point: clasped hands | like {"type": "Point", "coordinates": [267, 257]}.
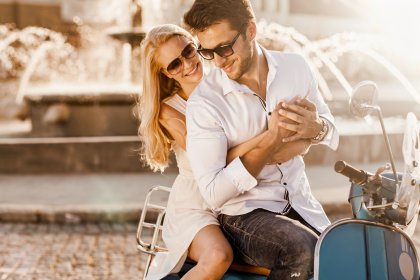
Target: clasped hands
{"type": "Point", "coordinates": [294, 120]}
{"type": "Point", "coordinates": [292, 125]}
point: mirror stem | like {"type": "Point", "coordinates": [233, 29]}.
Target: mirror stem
{"type": "Point", "coordinates": [388, 146]}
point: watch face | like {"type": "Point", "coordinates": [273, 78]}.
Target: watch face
{"type": "Point", "coordinates": [322, 133]}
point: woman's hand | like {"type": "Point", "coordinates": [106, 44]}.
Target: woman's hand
{"type": "Point", "coordinates": [275, 122]}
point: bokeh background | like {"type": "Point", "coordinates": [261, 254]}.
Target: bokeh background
{"type": "Point", "coordinates": [71, 182]}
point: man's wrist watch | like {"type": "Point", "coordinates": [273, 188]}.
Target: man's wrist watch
{"type": "Point", "coordinates": [322, 133]}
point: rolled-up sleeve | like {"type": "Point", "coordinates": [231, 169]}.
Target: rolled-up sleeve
{"type": "Point", "coordinates": [207, 148]}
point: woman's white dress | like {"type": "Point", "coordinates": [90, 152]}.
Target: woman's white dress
{"type": "Point", "coordinates": [186, 212]}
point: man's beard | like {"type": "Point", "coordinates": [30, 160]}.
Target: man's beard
{"type": "Point", "coordinates": [243, 67]}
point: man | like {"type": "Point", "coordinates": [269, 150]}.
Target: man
{"type": "Point", "coordinates": [266, 210]}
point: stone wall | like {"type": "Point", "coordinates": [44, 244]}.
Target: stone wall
{"type": "Point", "coordinates": [8, 11]}
{"type": "Point", "coordinates": [28, 13]}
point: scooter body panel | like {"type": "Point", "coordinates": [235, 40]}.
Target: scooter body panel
{"type": "Point", "coordinates": [357, 249]}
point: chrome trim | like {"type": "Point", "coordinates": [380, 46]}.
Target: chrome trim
{"type": "Point", "coordinates": [151, 248]}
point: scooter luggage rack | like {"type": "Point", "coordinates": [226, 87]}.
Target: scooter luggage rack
{"type": "Point", "coordinates": [152, 247]}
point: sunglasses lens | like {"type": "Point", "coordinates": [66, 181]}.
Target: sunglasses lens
{"type": "Point", "coordinates": [206, 54]}
{"type": "Point", "coordinates": [174, 66]}
{"type": "Point", "coordinates": [224, 51]}
{"type": "Point", "coordinates": [189, 51]}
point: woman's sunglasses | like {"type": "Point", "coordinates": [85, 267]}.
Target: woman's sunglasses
{"type": "Point", "coordinates": [222, 51]}
{"type": "Point", "coordinates": [188, 52]}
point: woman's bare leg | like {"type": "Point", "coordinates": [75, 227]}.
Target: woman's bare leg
{"type": "Point", "coordinates": [212, 252]}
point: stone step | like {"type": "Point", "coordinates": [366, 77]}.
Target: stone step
{"type": "Point", "coordinates": [70, 154]}
{"type": "Point", "coordinates": [120, 153]}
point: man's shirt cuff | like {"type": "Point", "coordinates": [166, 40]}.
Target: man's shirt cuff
{"type": "Point", "coordinates": [239, 176]}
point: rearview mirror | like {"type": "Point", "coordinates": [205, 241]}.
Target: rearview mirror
{"type": "Point", "coordinates": [364, 102]}
{"type": "Point", "coordinates": [364, 99]}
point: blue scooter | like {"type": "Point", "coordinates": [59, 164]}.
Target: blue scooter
{"type": "Point", "coordinates": [375, 244]}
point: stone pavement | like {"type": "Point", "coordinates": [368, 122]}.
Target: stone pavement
{"type": "Point", "coordinates": [40, 251]}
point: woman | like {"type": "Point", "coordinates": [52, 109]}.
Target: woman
{"type": "Point", "coordinates": [171, 70]}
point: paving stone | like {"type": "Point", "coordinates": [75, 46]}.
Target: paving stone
{"type": "Point", "coordinates": [65, 251]}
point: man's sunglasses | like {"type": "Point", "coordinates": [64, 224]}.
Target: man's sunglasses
{"type": "Point", "coordinates": [176, 65]}
{"type": "Point", "coordinates": [222, 51]}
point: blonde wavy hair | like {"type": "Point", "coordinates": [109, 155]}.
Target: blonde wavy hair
{"type": "Point", "coordinates": [157, 86]}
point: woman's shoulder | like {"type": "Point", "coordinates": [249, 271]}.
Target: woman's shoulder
{"type": "Point", "coordinates": [168, 112]}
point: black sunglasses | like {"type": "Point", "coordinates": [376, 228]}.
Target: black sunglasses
{"type": "Point", "coordinates": [188, 52]}
{"type": "Point", "coordinates": [222, 51]}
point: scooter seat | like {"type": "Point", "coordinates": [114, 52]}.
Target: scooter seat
{"type": "Point", "coordinates": [243, 267]}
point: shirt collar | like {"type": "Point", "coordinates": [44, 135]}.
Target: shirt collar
{"type": "Point", "coordinates": [272, 63]}
{"type": "Point", "coordinates": [229, 85]}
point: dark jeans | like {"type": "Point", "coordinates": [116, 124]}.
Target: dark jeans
{"type": "Point", "coordinates": [284, 244]}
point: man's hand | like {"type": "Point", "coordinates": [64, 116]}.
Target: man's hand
{"type": "Point", "coordinates": [274, 125]}
{"type": "Point", "coordinates": [307, 123]}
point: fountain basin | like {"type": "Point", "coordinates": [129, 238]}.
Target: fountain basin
{"type": "Point", "coordinates": [82, 110]}
{"type": "Point", "coordinates": [133, 36]}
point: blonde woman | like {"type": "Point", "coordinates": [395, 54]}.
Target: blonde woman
{"type": "Point", "coordinates": [171, 69]}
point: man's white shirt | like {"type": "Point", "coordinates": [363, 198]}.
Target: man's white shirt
{"type": "Point", "coordinates": [222, 113]}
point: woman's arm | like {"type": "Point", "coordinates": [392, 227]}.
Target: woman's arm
{"type": "Point", "coordinates": [243, 148]}
{"type": "Point", "coordinates": [290, 150]}
{"type": "Point", "coordinates": [174, 123]}
{"type": "Point", "coordinates": [283, 154]}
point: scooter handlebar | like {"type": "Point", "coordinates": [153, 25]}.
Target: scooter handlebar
{"type": "Point", "coordinates": [355, 175]}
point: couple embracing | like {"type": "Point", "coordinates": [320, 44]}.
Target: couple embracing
{"type": "Point", "coordinates": [238, 132]}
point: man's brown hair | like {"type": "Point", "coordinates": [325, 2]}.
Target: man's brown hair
{"type": "Point", "coordinates": [205, 13]}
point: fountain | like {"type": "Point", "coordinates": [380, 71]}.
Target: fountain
{"type": "Point", "coordinates": [325, 54]}
{"type": "Point", "coordinates": [335, 79]}
{"type": "Point", "coordinates": [335, 84]}
{"type": "Point", "coordinates": [77, 120]}
{"type": "Point", "coordinates": [90, 98]}
{"type": "Point", "coordinates": [77, 100]}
